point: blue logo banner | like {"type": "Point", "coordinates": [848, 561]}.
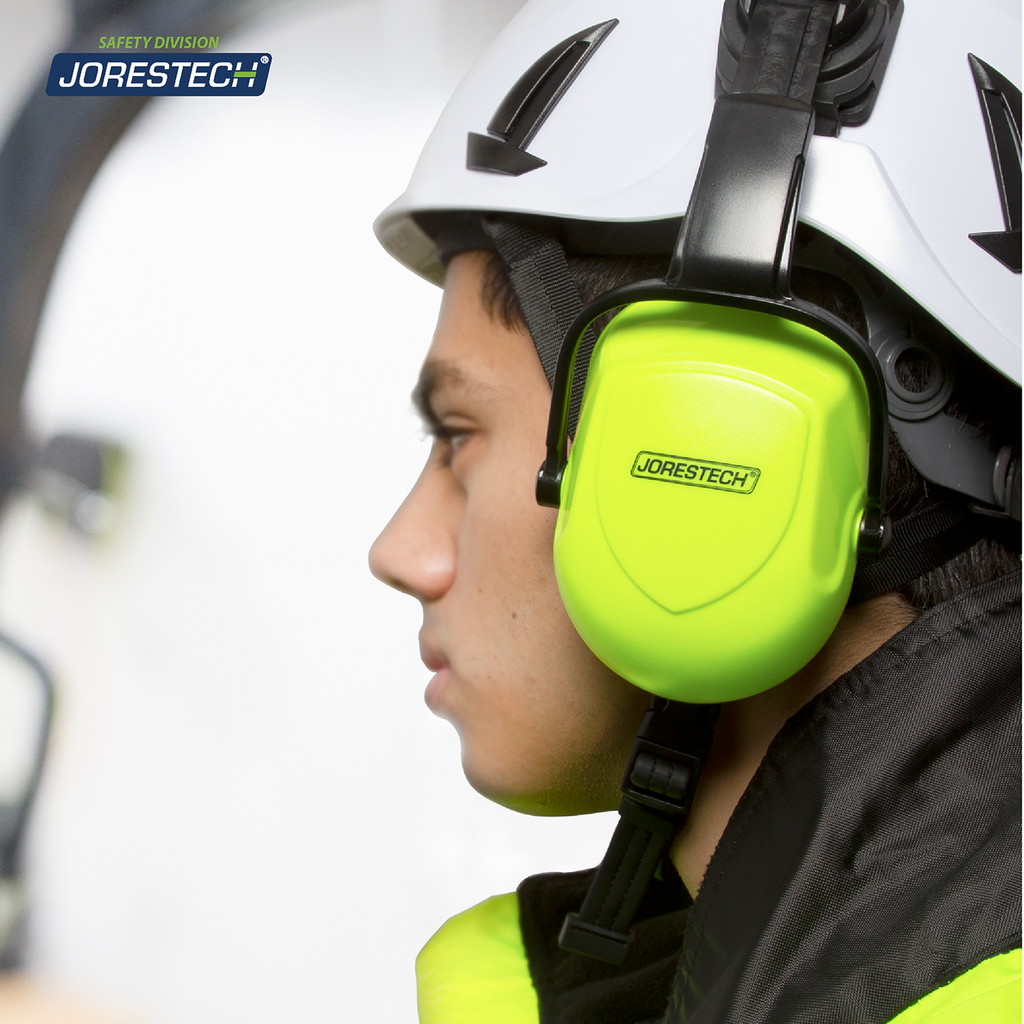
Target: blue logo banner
{"type": "Point", "coordinates": [147, 74]}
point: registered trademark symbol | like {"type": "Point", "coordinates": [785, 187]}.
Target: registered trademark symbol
{"type": "Point", "coordinates": [264, 59]}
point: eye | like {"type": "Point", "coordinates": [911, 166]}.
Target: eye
{"type": "Point", "coordinates": [448, 439]}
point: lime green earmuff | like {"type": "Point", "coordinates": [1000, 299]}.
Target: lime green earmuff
{"type": "Point", "coordinates": [712, 502]}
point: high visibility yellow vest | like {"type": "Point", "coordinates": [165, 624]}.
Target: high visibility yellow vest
{"type": "Point", "coordinates": [474, 971]}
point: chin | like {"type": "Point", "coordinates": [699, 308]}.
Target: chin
{"type": "Point", "coordinates": [566, 793]}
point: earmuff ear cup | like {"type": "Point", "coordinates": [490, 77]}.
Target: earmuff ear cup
{"type": "Point", "coordinates": [707, 532]}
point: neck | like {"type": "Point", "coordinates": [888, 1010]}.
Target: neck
{"type": "Point", "coordinates": [745, 728]}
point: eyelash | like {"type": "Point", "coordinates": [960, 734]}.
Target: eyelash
{"type": "Point", "coordinates": [452, 438]}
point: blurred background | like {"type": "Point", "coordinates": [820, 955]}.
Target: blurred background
{"type": "Point", "coordinates": [225, 829]}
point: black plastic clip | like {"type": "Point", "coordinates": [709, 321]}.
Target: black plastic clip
{"type": "Point", "coordinates": [657, 792]}
{"type": "Point", "coordinates": [591, 940]}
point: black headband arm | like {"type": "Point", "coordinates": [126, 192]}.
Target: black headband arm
{"type": "Point", "coordinates": [875, 530]}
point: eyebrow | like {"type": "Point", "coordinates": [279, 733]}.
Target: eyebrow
{"type": "Point", "coordinates": [437, 376]}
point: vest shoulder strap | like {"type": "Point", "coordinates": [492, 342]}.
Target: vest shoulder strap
{"type": "Point", "coordinates": [474, 968]}
{"type": "Point", "coordinates": [990, 992]}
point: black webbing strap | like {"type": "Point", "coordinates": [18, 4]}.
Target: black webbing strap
{"type": "Point", "coordinates": [920, 542]}
{"type": "Point", "coordinates": [737, 233]}
{"type": "Point", "coordinates": [658, 789]}
{"type": "Point", "coordinates": [601, 928]}
{"type": "Point", "coordinates": [547, 296]}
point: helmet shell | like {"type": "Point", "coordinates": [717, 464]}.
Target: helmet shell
{"type": "Point", "coordinates": [623, 145]}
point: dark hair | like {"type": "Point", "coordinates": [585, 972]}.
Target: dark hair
{"type": "Point", "coordinates": [908, 491]}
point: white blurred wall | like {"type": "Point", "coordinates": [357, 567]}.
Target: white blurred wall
{"type": "Point", "coordinates": [248, 813]}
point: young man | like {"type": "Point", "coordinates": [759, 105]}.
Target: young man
{"type": "Point", "coordinates": [852, 849]}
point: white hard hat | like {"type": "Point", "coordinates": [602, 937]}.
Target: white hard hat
{"type": "Point", "coordinates": [617, 151]}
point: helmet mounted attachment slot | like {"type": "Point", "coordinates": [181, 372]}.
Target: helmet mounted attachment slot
{"type": "Point", "coordinates": [859, 47]}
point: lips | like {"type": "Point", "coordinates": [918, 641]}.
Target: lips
{"type": "Point", "coordinates": [438, 664]}
{"type": "Point", "coordinates": [431, 656]}
{"type": "Point", "coordinates": [432, 695]}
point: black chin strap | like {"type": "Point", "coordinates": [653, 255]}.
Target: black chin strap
{"type": "Point", "coordinates": [657, 791]}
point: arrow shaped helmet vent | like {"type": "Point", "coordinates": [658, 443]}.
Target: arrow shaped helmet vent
{"type": "Point", "coordinates": [529, 102]}
{"type": "Point", "coordinates": [1001, 107]}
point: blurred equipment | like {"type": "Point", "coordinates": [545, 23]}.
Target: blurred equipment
{"type": "Point", "coordinates": [26, 710]}
{"type": "Point", "coordinates": [47, 162]}
{"type": "Point", "coordinates": [74, 476]}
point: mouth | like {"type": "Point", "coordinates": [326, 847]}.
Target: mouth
{"type": "Point", "coordinates": [437, 663]}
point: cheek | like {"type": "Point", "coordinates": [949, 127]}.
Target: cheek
{"type": "Point", "coordinates": [506, 537]}
{"type": "Point", "coordinates": [544, 725]}
{"type": "Point", "coordinates": [505, 551]}
{"type": "Point", "coordinates": [541, 715]}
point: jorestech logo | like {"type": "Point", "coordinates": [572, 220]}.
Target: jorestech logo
{"type": "Point", "coordinates": [678, 469]}
{"type": "Point", "coordinates": [177, 74]}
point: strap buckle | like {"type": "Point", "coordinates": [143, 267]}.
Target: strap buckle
{"type": "Point", "coordinates": [661, 778]}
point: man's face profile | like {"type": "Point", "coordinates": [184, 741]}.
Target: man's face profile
{"type": "Point", "coordinates": [545, 726]}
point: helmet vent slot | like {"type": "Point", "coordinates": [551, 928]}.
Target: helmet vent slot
{"type": "Point", "coordinates": [529, 103]}
{"type": "Point", "coordinates": [1000, 106]}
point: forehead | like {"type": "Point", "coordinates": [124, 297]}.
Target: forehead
{"type": "Point", "coordinates": [470, 348]}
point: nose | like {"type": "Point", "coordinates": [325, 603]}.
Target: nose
{"type": "Point", "coordinates": [415, 553]}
